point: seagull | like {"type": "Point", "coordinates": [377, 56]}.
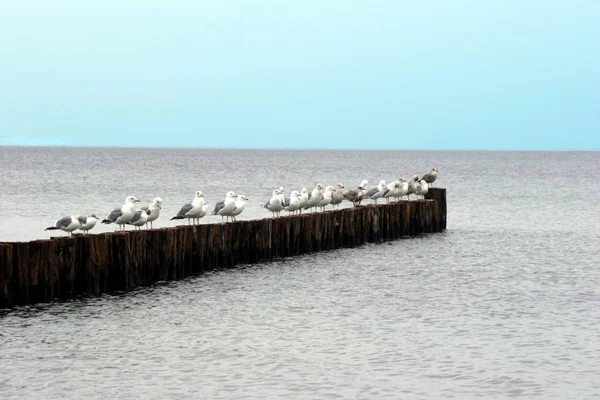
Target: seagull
{"type": "Point", "coordinates": [276, 203]}
{"type": "Point", "coordinates": [67, 224]}
{"type": "Point", "coordinates": [240, 204]}
{"type": "Point", "coordinates": [356, 195]}
{"type": "Point", "coordinates": [411, 185]}
{"type": "Point", "coordinates": [326, 199]}
{"type": "Point", "coordinates": [377, 192]}
{"type": "Point", "coordinates": [314, 197]}
{"type": "Point", "coordinates": [391, 190]}
{"type": "Point", "coordinates": [361, 194]}
{"type": "Point", "coordinates": [122, 215]}
{"type": "Point", "coordinates": [154, 208]}
{"type": "Point", "coordinates": [89, 222]}
{"type": "Point", "coordinates": [294, 204]}
{"type": "Point", "coordinates": [140, 217]}
{"type": "Point", "coordinates": [402, 190]}
{"type": "Point", "coordinates": [431, 176]}
{"type": "Point", "coordinates": [421, 188]}
{"type": "Point", "coordinates": [225, 208]}
{"type": "Point", "coordinates": [303, 199]}
{"type": "Point", "coordinates": [337, 196]}
{"type": "Point", "coordinates": [195, 209]}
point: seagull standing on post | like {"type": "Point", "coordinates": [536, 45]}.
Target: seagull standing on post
{"type": "Point", "coordinates": [431, 176]}
{"type": "Point", "coordinates": [67, 224]}
{"type": "Point", "coordinates": [124, 214]}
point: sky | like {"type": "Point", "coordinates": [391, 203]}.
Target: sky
{"type": "Point", "coordinates": [511, 74]}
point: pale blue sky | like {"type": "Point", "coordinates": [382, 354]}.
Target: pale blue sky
{"type": "Point", "coordinates": [332, 74]}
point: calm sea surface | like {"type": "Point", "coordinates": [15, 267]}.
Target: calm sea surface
{"type": "Point", "coordinates": [505, 303]}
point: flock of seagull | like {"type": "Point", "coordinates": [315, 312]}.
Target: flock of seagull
{"type": "Point", "coordinates": [234, 204]}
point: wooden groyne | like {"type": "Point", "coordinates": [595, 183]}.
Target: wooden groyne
{"type": "Point", "coordinates": [69, 267]}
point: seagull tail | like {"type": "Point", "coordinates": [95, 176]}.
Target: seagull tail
{"type": "Point", "coordinates": [51, 228]}
{"type": "Point", "coordinates": [176, 217]}
{"type": "Point", "coordinates": [106, 221]}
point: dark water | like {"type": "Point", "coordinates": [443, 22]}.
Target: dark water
{"type": "Point", "coordinates": [505, 303]}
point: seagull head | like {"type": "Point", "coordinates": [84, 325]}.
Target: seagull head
{"type": "Point", "coordinates": [319, 186]}
{"type": "Point", "coordinates": [340, 186]}
{"type": "Point", "coordinates": [81, 219]}
{"type": "Point", "coordinates": [158, 201]}
{"type": "Point", "coordinates": [92, 216]}
{"type": "Point", "coordinates": [199, 193]}
{"type": "Point", "coordinates": [304, 191]}
{"type": "Point", "coordinates": [132, 199]}
{"type": "Point", "coordinates": [276, 192]}
{"type": "Point", "coordinates": [230, 194]}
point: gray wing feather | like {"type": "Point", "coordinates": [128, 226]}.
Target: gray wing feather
{"type": "Point", "coordinates": [136, 215]}
{"type": "Point", "coordinates": [184, 210]}
{"type": "Point", "coordinates": [350, 194]}
{"type": "Point", "coordinates": [219, 206]}
{"type": "Point", "coordinates": [427, 177]}
{"type": "Point", "coordinates": [371, 192]}
{"type": "Point", "coordinates": [63, 222]}
{"type": "Point", "coordinates": [116, 213]}
{"type": "Point", "coordinates": [145, 208]}
{"type": "Point", "coordinates": [286, 201]}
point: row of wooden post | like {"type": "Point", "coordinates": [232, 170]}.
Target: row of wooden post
{"type": "Point", "coordinates": [68, 267]}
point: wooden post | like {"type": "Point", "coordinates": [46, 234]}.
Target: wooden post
{"type": "Point", "coordinates": [6, 275]}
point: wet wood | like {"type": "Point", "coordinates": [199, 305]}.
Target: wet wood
{"type": "Point", "coordinates": [68, 267]}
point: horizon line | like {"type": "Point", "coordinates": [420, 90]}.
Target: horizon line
{"type": "Point", "coordinates": [287, 148]}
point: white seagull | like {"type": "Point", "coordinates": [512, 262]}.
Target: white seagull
{"type": "Point", "coordinates": [326, 199]}
{"type": "Point", "coordinates": [314, 197]}
{"type": "Point", "coordinates": [402, 190]}
{"type": "Point", "coordinates": [391, 190]}
{"type": "Point", "coordinates": [421, 188]}
{"type": "Point", "coordinates": [294, 204]}
{"type": "Point", "coordinates": [140, 218]}
{"type": "Point", "coordinates": [303, 199]}
{"type": "Point", "coordinates": [240, 205]}
{"type": "Point", "coordinates": [67, 224]}
{"type": "Point", "coordinates": [225, 208]}
{"type": "Point", "coordinates": [122, 215]}
{"type": "Point", "coordinates": [377, 192]}
{"type": "Point", "coordinates": [89, 222]}
{"type": "Point", "coordinates": [194, 210]}
{"type": "Point", "coordinates": [412, 185]}
{"type": "Point", "coordinates": [154, 208]}
{"type": "Point", "coordinates": [275, 203]}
